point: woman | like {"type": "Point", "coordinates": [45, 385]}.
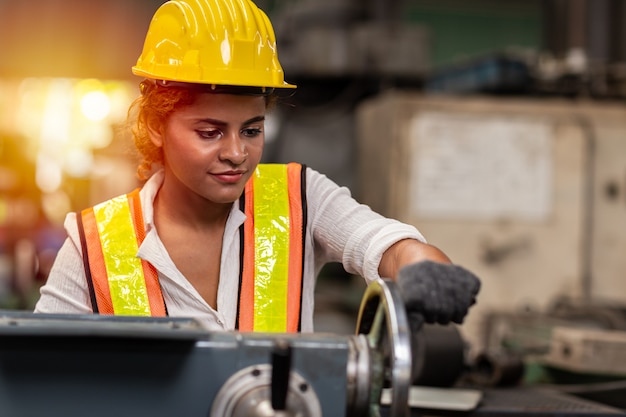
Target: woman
{"type": "Point", "coordinates": [212, 234]}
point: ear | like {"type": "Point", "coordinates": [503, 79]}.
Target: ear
{"type": "Point", "coordinates": [155, 130]}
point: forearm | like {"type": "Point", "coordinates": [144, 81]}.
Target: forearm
{"type": "Point", "coordinates": [406, 252]}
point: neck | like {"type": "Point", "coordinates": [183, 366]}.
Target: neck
{"type": "Point", "coordinates": [179, 205]}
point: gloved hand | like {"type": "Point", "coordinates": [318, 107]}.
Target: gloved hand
{"type": "Point", "coordinates": [436, 292]}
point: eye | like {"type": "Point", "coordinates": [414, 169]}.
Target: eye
{"type": "Point", "coordinates": [209, 133]}
{"type": "Point", "coordinates": [251, 132]}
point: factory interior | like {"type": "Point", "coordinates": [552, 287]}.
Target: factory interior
{"type": "Point", "coordinates": [496, 127]}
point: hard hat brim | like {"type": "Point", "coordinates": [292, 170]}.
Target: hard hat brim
{"type": "Point", "coordinates": [227, 89]}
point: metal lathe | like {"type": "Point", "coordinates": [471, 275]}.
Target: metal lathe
{"type": "Point", "coordinates": [75, 365]}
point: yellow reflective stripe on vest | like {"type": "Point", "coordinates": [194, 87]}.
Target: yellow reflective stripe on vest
{"type": "Point", "coordinates": [119, 249]}
{"type": "Point", "coordinates": [270, 292]}
{"type": "Point", "coordinates": [271, 248]}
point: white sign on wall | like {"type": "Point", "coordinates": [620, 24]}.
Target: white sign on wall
{"type": "Point", "coordinates": [467, 166]}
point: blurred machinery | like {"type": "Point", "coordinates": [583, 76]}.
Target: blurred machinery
{"type": "Point", "coordinates": [348, 38]}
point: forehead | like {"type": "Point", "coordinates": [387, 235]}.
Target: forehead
{"type": "Point", "coordinates": [210, 104]}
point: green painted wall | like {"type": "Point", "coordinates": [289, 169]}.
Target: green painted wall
{"type": "Point", "coordinates": [466, 28]}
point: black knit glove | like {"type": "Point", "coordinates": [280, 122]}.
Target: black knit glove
{"type": "Point", "coordinates": [436, 292]}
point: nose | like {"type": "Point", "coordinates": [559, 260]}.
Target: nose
{"type": "Point", "coordinates": [233, 149]}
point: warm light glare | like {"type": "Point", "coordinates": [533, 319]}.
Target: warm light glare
{"type": "Point", "coordinates": [78, 162]}
{"type": "Point", "coordinates": [95, 105]}
{"type": "Point", "coordinates": [61, 122]}
{"type": "Point", "coordinates": [57, 114]}
{"type": "Point", "coordinates": [96, 135]}
{"type": "Point", "coordinates": [56, 205]}
{"type": "Point", "coordinates": [48, 175]}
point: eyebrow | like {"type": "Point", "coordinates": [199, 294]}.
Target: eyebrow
{"type": "Point", "coordinates": [222, 123]}
{"type": "Point", "coordinates": [254, 120]}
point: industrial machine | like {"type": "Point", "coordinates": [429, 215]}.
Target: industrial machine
{"type": "Point", "coordinates": [75, 365]}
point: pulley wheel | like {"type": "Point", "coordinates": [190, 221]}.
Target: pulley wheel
{"type": "Point", "coordinates": [383, 319]}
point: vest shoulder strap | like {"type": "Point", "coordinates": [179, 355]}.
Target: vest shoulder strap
{"type": "Point", "coordinates": [119, 282]}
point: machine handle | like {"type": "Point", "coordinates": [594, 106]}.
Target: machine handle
{"type": "Point", "coordinates": [281, 369]}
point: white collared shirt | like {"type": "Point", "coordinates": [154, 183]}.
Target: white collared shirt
{"type": "Point", "coordinates": [339, 229]}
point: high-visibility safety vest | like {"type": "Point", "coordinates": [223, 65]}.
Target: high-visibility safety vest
{"type": "Point", "coordinates": [271, 255]}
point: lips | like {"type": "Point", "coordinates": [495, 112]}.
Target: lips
{"type": "Point", "coordinates": [229, 177]}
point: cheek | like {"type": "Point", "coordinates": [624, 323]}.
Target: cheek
{"type": "Point", "coordinates": [178, 143]}
{"type": "Point", "coordinates": [255, 148]}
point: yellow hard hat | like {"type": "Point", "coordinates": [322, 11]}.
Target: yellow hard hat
{"type": "Point", "coordinates": [215, 42]}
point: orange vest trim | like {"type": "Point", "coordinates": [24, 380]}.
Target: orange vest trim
{"type": "Point", "coordinates": [153, 287]}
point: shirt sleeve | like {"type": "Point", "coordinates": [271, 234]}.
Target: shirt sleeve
{"type": "Point", "coordinates": [65, 290]}
{"type": "Point", "coordinates": [349, 232]}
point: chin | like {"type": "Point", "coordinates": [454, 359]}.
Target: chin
{"type": "Point", "coordinates": [225, 198]}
